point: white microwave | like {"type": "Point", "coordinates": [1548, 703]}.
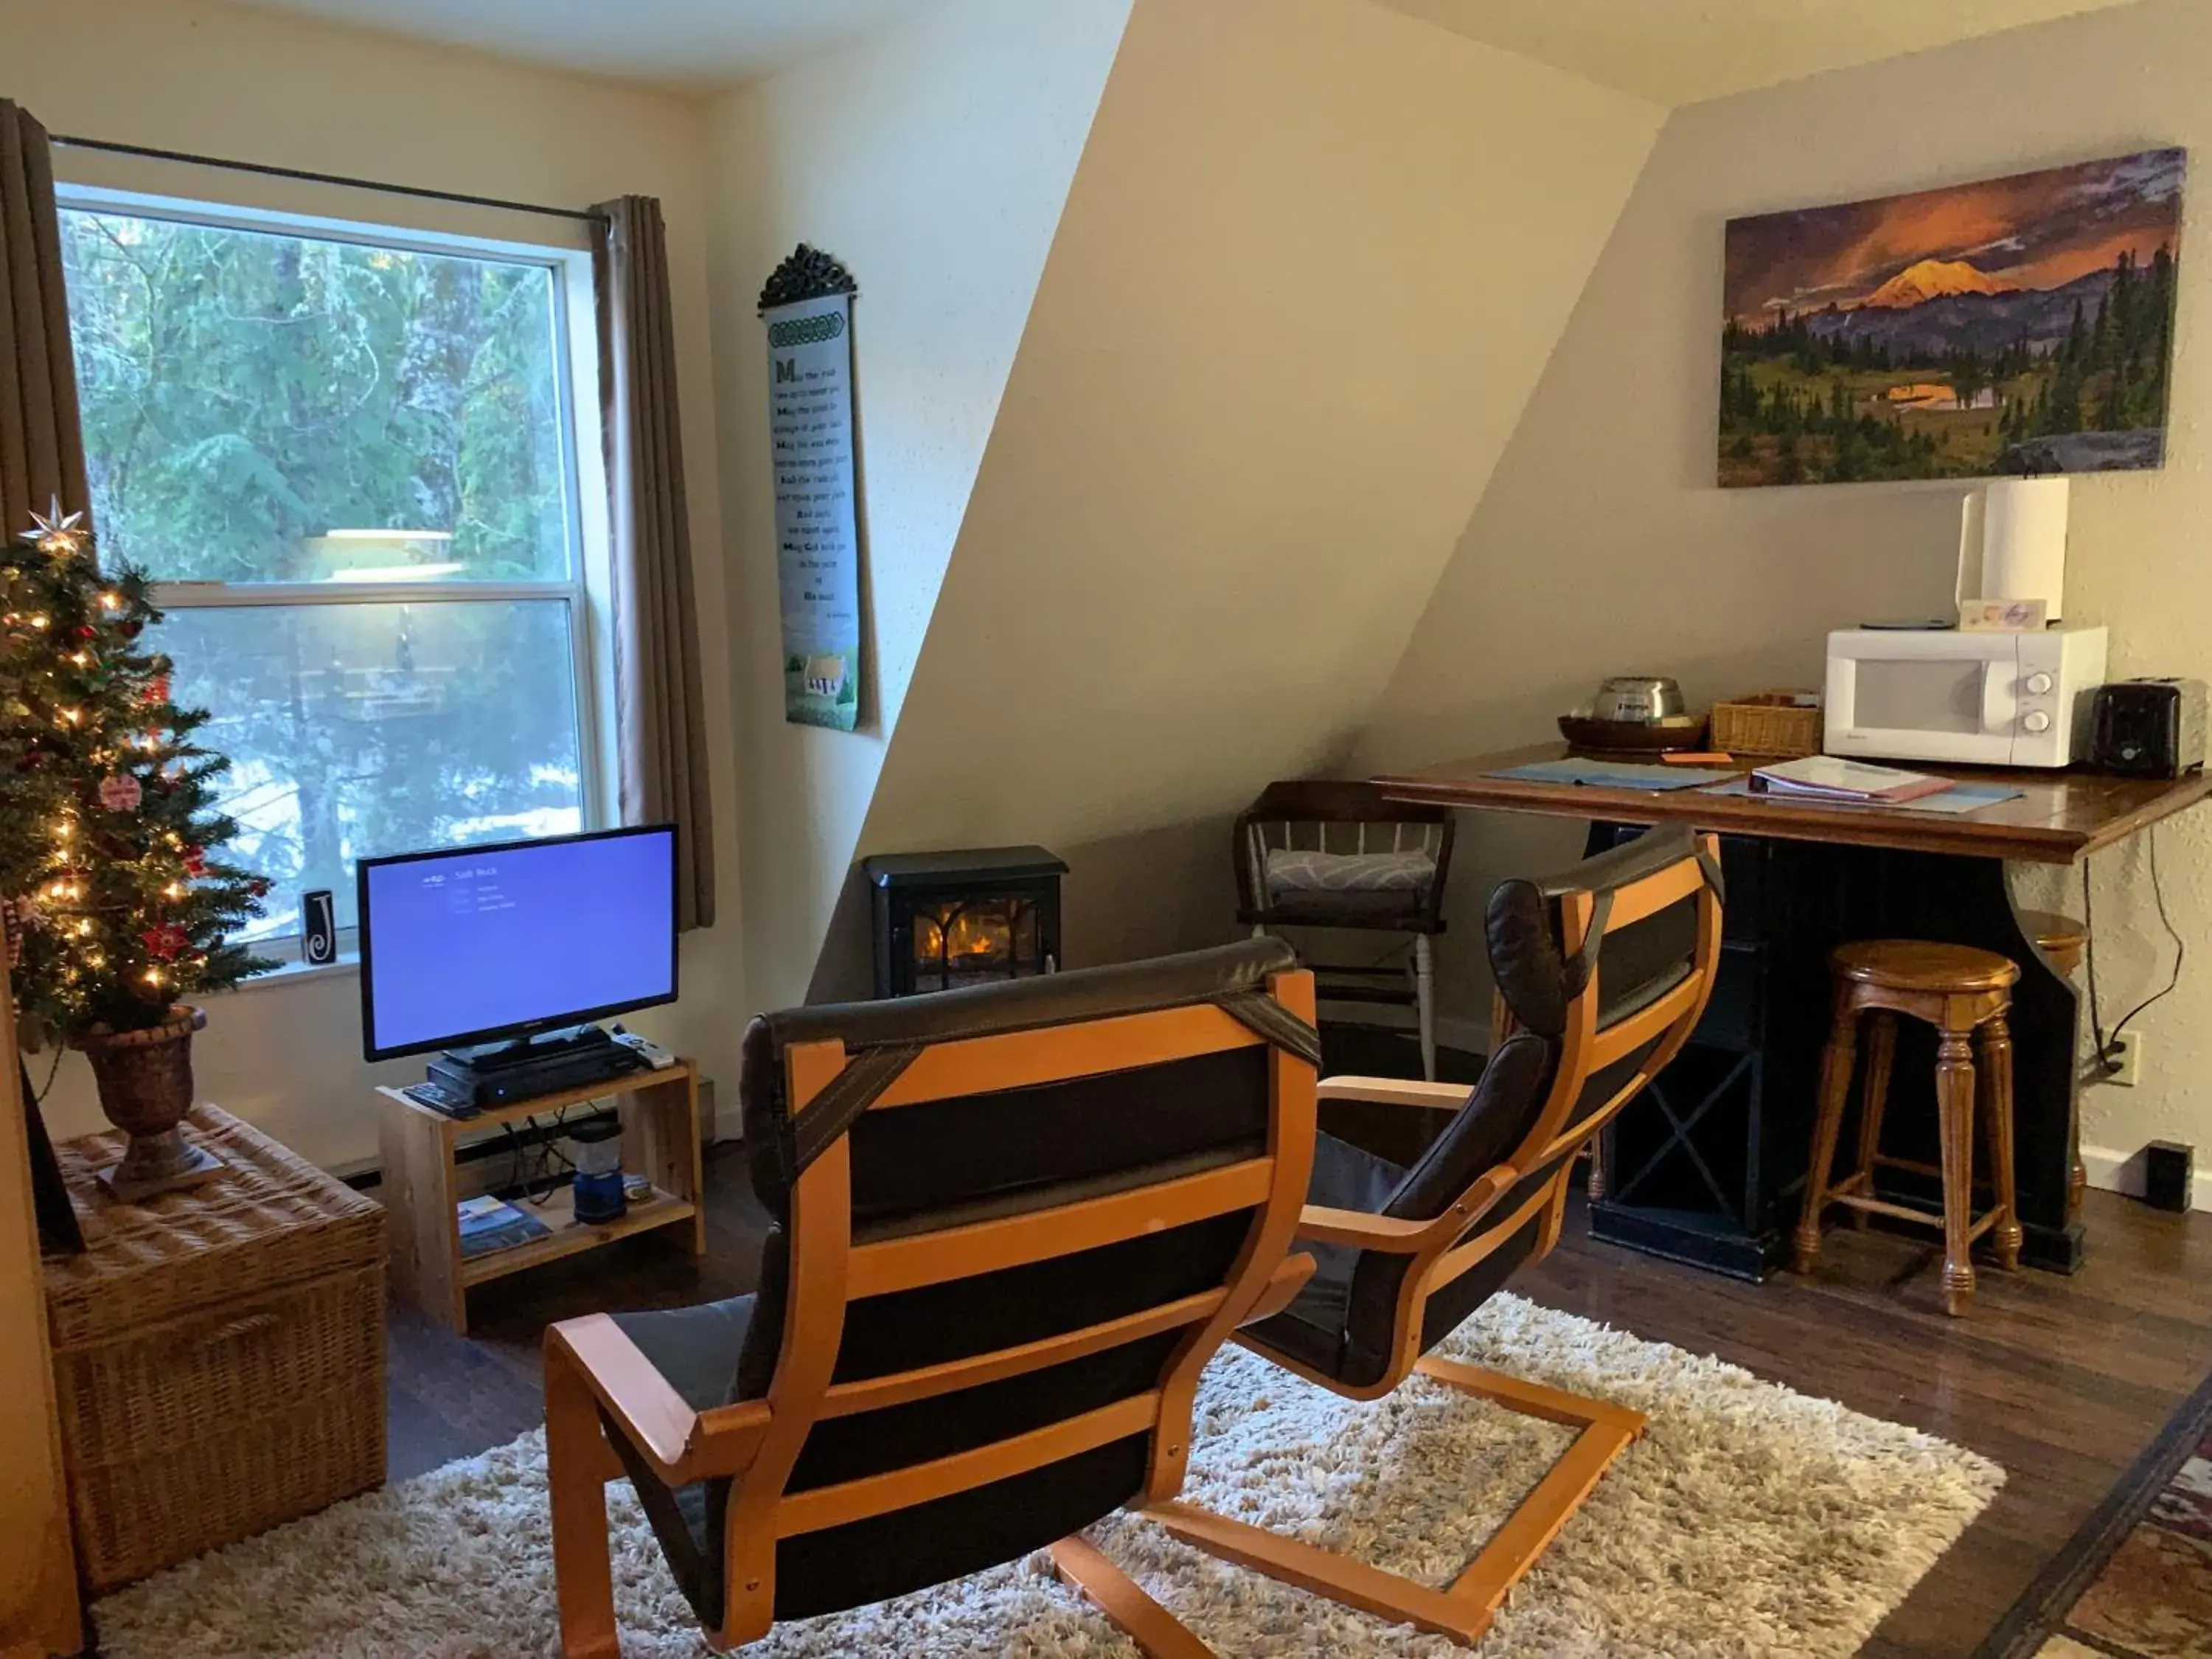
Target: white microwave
{"type": "Point", "coordinates": [1977, 699]}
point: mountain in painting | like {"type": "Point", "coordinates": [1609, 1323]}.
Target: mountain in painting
{"type": "Point", "coordinates": [1978, 320]}
{"type": "Point", "coordinates": [1932, 279]}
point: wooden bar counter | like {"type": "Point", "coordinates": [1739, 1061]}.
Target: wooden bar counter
{"type": "Point", "coordinates": [1706, 1166]}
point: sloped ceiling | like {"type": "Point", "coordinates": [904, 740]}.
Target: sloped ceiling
{"type": "Point", "coordinates": [1669, 51]}
{"type": "Point", "coordinates": [1311, 268]}
{"type": "Point", "coordinates": [1682, 51]}
{"type": "Point", "coordinates": [933, 159]}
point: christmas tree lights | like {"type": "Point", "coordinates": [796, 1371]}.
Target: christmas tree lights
{"type": "Point", "coordinates": [114, 903]}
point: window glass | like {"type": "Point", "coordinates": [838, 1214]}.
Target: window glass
{"type": "Point", "coordinates": [263, 407]}
{"type": "Point", "coordinates": [355, 731]}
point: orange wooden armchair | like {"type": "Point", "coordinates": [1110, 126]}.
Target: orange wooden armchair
{"type": "Point", "coordinates": [1013, 1226]}
{"type": "Point", "coordinates": [1602, 973]}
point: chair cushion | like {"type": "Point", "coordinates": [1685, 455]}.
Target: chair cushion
{"type": "Point", "coordinates": [1306, 870]}
{"type": "Point", "coordinates": [1521, 925]}
{"type": "Point", "coordinates": [1500, 1114]}
{"type": "Point", "coordinates": [1343, 1323]}
{"type": "Point", "coordinates": [979, 1011]}
{"type": "Point", "coordinates": [697, 1350]}
{"type": "Point", "coordinates": [1311, 1329]}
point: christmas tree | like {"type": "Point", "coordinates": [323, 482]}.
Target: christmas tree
{"type": "Point", "coordinates": [116, 906]}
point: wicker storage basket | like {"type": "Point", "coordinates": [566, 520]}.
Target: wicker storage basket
{"type": "Point", "coordinates": [1777, 724]}
{"type": "Point", "coordinates": [218, 1353]}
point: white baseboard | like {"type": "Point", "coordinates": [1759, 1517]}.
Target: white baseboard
{"type": "Point", "coordinates": [2122, 1172]}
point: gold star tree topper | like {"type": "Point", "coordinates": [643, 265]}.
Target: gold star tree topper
{"type": "Point", "coordinates": [62, 536]}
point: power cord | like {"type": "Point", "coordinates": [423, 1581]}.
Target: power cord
{"type": "Point", "coordinates": [545, 1143]}
{"type": "Point", "coordinates": [2106, 1059]}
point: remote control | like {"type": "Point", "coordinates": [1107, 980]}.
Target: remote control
{"type": "Point", "coordinates": [438, 1098]}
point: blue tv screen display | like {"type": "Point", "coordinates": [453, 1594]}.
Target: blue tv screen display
{"type": "Point", "coordinates": [489, 941]}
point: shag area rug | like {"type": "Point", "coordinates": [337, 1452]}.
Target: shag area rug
{"type": "Point", "coordinates": [1748, 1521]}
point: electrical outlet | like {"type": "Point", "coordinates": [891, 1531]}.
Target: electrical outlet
{"type": "Point", "coordinates": [2127, 1058]}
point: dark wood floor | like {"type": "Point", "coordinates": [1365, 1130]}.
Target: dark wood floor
{"type": "Point", "coordinates": [2061, 1380]}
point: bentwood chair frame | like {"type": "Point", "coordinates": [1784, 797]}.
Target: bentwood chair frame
{"type": "Point", "coordinates": [598, 1383]}
{"type": "Point", "coordinates": [1491, 1210]}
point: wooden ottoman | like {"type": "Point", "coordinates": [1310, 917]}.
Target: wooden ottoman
{"type": "Point", "coordinates": [218, 1353]}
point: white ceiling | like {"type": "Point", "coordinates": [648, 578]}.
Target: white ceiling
{"type": "Point", "coordinates": [1682, 51]}
{"type": "Point", "coordinates": [1672, 52]}
{"type": "Point", "coordinates": [694, 44]}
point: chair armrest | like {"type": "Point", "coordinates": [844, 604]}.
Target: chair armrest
{"type": "Point", "coordinates": [1395, 1091]}
{"type": "Point", "coordinates": [1282, 1287]}
{"type": "Point", "coordinates": [651, 1415]}
{"type": "Point", "coordinates": [1319, 1224]}
{"type": "Point", "coordinates": [681, 1445]}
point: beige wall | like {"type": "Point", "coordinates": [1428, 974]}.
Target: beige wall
{"type": "Point", "coordinates": [256, 87]}
{"type": "Point", "coordinates": [933, 159]}
{"type": "Point", "coordinates": [1309, 269]}
{"type": "Point", "coordinates": [1602, 545]}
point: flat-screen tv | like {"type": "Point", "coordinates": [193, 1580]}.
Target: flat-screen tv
{"type": "Point", "coordinates": [473, 945]}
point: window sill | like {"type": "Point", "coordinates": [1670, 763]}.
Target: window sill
{"type": "Point", "coordinates": [294, 973]}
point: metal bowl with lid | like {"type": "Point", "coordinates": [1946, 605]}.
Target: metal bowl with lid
{"type": "Point", "coordinates": [1638, 699]}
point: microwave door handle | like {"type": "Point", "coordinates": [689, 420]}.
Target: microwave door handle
{"type": "Point", "coordinates": [2000, 697]}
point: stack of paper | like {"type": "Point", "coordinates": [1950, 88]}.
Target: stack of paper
{"type": "Point", "coordinates": [1823, 777]}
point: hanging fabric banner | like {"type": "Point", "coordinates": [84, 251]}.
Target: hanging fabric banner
{"type": "Point", "coordinates": [811, 431]}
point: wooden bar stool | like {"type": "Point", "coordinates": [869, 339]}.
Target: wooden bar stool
{"type": "Point", "coordinates": [1966, 995]}
{"type": "Point", "coordinates": [2058, 937]}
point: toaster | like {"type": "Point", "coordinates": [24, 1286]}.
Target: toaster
{"type": "Point", "coordinates": [2150, 728]}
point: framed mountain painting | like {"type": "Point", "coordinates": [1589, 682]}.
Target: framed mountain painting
{"type": "Point", "coordinates": [2017, 326]}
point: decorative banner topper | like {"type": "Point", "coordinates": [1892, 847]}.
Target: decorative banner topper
{"type": "Point", "coordinates": [807, 306]}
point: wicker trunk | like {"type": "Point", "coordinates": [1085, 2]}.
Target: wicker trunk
{"type": "Point", "coordinates": [219, 1353]}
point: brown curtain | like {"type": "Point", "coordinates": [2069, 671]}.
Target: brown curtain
{"type": "Point", "coordinates": [659, 706]}
{"type": "Point", "coordinates": [42, 446]}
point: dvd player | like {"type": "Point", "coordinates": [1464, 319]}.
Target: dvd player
{"type": "Point", "coordinates": [503, 1074]}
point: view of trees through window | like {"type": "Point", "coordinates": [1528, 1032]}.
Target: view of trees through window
{"type": "Point", "coordinates": [369, 422]}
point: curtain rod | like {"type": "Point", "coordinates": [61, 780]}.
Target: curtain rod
{"type": "Point", "coordinates": [305, 177]}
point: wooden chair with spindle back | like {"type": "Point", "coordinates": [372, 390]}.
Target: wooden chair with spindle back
{"type": "Point", "coordinates": [1012, 1224]}
{"type": "Point", "coordinates": [1603, 971]}
{"type": "Point", "coordinates": [1319, 853]}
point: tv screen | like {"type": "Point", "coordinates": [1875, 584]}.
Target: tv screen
{"type": "Point", "coordinates": [475, 943]}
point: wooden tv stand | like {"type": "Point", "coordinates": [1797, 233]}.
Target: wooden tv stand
{"type": "Point", "coordinates": [659, 1114]}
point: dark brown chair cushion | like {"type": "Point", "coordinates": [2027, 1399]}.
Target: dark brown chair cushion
{"type": "Point", "coordinates": [921, 1168]}
{"type": "Point", "coordinates": [1341, 1323]}
{"type": "Point", "coordinates": [1522, 928]}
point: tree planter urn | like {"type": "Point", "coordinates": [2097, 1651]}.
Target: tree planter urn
{"type": "Point", "coordinates": [145, 1082]}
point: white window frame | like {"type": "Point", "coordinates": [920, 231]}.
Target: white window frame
{"type": "Point", "coordinates": [586, 590]}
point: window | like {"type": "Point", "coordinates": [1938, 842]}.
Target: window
{"type": "Point", "coordinates": [350, 465]}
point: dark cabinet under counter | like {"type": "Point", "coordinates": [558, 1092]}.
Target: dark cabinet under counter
{"type": "Point", "coordinates": [1706, 1165]}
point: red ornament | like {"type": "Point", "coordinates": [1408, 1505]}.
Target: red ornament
{"type": "Point", "coordinates": [196, 862]}
{"type": "Point", "coordinates": [157, 692]}
{"type": "Point", "coordinates": [259, 887]}
{"type": "Point", "coordinates": [85, 631]}
{"type": "Point", "coordinates": [120, 793]}
{"type": "Point", "coordinates": [166, 942]}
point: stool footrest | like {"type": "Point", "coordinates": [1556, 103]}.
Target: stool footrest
{"type": "Point", "coordinates": [1910, 1165]}
{"type": "Point", "coordinates": [1872, 1205]}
